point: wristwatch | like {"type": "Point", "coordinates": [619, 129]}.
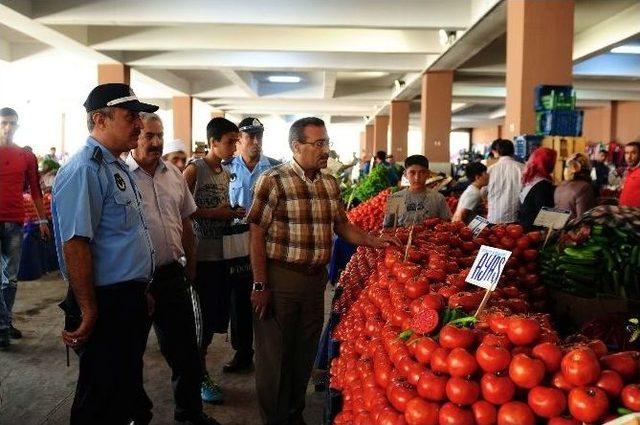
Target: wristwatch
{"type": "Point", "coordinates": [258, 286]}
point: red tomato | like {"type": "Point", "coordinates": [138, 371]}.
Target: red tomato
{"type": "Point", "coordinates": [523, 331]}
{"type": "Point", "coordinates": [450, 414]}
{"type": "Point", "coordinates": [497, 389]}
{"type": "Point", "coordinates": [498, 340]}
{"type": "Point", "coordinates": [515, 413]}
{"type": "Point", "coordinates": [434, 301]}
{"type": "Point", "coordinates": [406, 272]}
{"type": "Point", "coordinates": [493, 358]}
{"type": "Point", "coordinates": [547, 402]}
{"type": "Point", "coordinates": [484, 413]}
{"type": "Point", "coordinates": [559, 381]}
{"type": "Point", "coordinates": [580, 366]}
{"type": "Point", "coordinates": [399, 394]}
{"type": "Point", "coordinates": [423, 349]}
{"type": "Point", "coordinates": [550, 354]}
{"type": "Point", "coordinates": [453, 337]}
{"type": "Point", "coordinates": [514, 231]}
{"type": "Point", "coordinates": [432, 386]}
{"type": "Point", "coordinates": [563, 420]}
{"type": "Point", "coordinates": [420, 412]}
{"type": "Point", "coordinates": [535, 236]}
{"type": "Point", "coordinates": [611, 382]}
{"type": "Point", "coordinates": [507, 242]}
{"type": "Point", "coordinates": [415, 288]}
{"type": "Point", "coordinates": [625, 363]}
{"type": "Point", "coordinates": [588, 404]}
{"type": "Point", "coordinates": [439, 360]}
{"type": "Point", "coordinates": [630, 397]}
{"type": "Point", "coordinates": [460, 363]}
{"type": "Point", "coordinates": [526, 372]}
{"type": "Point", "coordinates": [530, 254]}
{"type": "Point", "coordinates": [523, 242]}
{"type": "Point", "coordinates": [599, 348]}
{"type": "Point", "coordinates": [462, 391]}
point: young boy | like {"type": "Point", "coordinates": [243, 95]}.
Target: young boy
{"type": "Point", "coordinates": [470, 203]}
{"type": "Point", "coordinates": [418, 202]}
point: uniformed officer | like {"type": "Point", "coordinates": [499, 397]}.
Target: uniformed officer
{"type": "Point", "coordinates": [106, 256]}
{"type": "Point", "coordinates": [168, 206]}
{"type": "Point", "coordinates": [245, 168]}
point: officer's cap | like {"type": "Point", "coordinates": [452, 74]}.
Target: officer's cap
{"type": "Point", "coordinates": [116, 95]}
{"type": "Point", "coordinates": [251, 125]}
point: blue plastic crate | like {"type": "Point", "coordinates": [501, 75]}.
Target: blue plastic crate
{"type": "Point", "coordinates": [559, 123]}
{"type": "Point", "coordinates": [526, 144]}
{"type": "Point", "coordinates": [554, 98]}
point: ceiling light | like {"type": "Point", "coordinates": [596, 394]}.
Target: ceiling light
{"type": "Point", "coordinates": [627, 48]}
{"type": "Point", "coordinates": [288, 79]}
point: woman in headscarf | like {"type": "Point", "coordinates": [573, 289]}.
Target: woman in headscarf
{"type": "Point", "coordinates": [537, 185]}
{"type": "Point", "coordinates": [576, 193]}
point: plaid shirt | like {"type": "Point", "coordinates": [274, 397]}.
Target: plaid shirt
{"type": "Point", "coordinates": [297, 214]}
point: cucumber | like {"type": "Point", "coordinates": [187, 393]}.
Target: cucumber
{"type": "Point", "coordinates": [583, 270]}
{"type": "Point", "coordinates": [576, 260]}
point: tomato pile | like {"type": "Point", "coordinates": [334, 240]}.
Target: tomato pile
{"type": "Point", "coordinates": [369, 215]}
{"type": "Point", "coordinates": [410, 354]}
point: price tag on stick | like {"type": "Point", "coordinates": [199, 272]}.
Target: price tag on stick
{"type": "Point", "coordinates": [486, 271]}
{"type": "Point", "coordinates": [551, 219]}
{"type": "Point", "coordinates": [477, 225]}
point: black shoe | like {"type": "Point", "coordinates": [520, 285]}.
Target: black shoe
{"type": "Point", "coordinates": [237, 365]}
{"type": "Point", "coordinates": [14, 333]}
{"type": "Point", "coordinates": [4, 339]}
{"type": "Point", "coordinates": [201, 419]}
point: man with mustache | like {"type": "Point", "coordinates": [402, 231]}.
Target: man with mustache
{"type": "Point", "coordinates": [245, 168]}
{"type": "Point", "coordinates": [295, 211]}
{"type": "Point", "coordinates": [168, 206]}
{"type": "Point", "coordinates": [106, 256]}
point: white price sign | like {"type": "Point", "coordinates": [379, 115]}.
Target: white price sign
{"type": "Point", "coordinates": [553, 219]}
{"type": "Point", "coordinates": [487, 267]}
{"type": "Point", "coordinates": [477, 225]}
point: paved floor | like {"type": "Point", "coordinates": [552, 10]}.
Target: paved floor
{"type": "Point", "coordinates": [36, 386]}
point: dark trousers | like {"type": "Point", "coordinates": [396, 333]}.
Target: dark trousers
{"type": "Point", "coordinates": [241, 312]}
{"type": "Point", "coordinates": [286, 343]}
{"type": "Point", "coordinates": [174, 324]}
{"type": "Point", "coordinates": [212, 285]}
{"type": "Point", "coordinates": [110, 371]}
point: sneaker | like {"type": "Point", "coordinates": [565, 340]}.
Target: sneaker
{"type": "Point", "coordinates": [201, 419]}
{"type": "Point", "coordinates": [210, 391]}
{"type": "Point", "coordinates": [14, 333]}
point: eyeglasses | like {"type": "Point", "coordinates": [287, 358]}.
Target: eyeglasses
{"type": "Point", "coordinates": [319, 143]}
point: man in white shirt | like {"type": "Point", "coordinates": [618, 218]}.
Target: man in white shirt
{"type": "Point", "coordinates": [505, 182]}
{"type": "Point", "coordinates": [470, 203]}
{"type": "Point", "coordinates": [168, 206]}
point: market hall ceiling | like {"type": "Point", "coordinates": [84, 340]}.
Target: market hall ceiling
{"type": "Point", "coordinates": [347, 58]}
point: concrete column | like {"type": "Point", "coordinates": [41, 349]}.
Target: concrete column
{"type": "Point", "coordinates": [363, 144]}
{"type": "Point", "coordinates": [435, 116]}
{"type": "Point", "coordinates": [114, 73]}
{"type": "Point", "coordinates": [399, 129]}
{"type": "Point", "coordinates": [368, 137]}
{"type": "Point", "coordinates": [380, 128]}
{"type": "Point", "coordinates": [539, 49]}
{"type": "Point", "coordinates": [182, 115]}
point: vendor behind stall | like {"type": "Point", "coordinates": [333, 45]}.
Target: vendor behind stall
{"type": "Point", "coordinates": [418, 202]}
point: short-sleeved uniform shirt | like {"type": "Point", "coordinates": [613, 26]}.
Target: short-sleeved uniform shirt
{"type": "Point", "coordinates": [242, 181]}
{"type": "Point", "coordinates": [95, 197]}
{"type": "Point", "coordinates": [297, 213]}
{"type": "Point", "coordinates": [166, 201]}
{"type": "Point", "coordinates": [417, 207]}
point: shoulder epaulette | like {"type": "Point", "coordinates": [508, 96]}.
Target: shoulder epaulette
{"type": "Point", "coordinates": [97, 155]}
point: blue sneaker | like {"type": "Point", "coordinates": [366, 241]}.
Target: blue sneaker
{"type": "Point", "coordinates": [210, 391]}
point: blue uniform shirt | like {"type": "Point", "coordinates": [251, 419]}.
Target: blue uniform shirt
{"type": "Point", "coordinates": [242, 180]}
{"type": "Point", "coordinates": [95, 197]}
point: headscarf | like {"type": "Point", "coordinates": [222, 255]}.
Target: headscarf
{"type": "Point", "coordinates": [540, 165]}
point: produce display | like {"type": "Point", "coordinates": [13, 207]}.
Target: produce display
{"type": "Point", "coordinates": [599, 254]}
{"type": "Point", "coordinates": [369, 215]}
{"type": "Point", "coordinates": [374, 182]}
{"type": "Point", "coordinates": [411, 353]}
